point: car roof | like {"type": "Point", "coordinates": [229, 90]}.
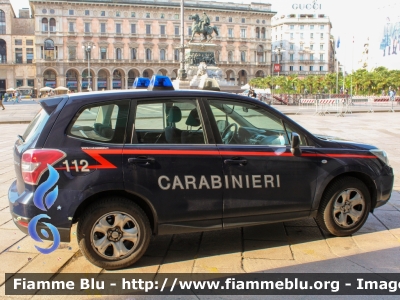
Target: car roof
{"type": "Point", "coordinates": [144, 93]}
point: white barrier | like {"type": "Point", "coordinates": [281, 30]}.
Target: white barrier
{"type": "Point", "coordinates": [326, 105]}
{"type": "Point", "coordinates": [307, 104]}
{"type": "Point", "coordinates": [342, 106]}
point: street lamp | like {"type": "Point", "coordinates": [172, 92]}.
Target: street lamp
{"type": "Point", "coordinates": [279, 50]}
{"type": "Point", "coordinates": [182, 72]}
{"type": "Point", "coordinates": [88, 46]}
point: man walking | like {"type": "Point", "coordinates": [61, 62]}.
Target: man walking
{"type": "Point", "coordinates": [1, 103]}
{"type": "Point", "coordinates": [392, 93]}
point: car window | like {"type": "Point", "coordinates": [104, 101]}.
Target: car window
{"type": "Point", "coordinates": [168, 122]}
{"type": "Point", "coordinates": [36, 125]}
{"type": "Point", "coordinates": [290, 130]}
{"type": "Point", "coordinates": [102, 123]}
{"type": "Point", "coordinates": [248, 124]}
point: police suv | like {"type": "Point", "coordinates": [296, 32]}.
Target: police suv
{"type": "Point", "coordinates": [127, 165]}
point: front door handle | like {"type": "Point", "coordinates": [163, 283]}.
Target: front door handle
{"type": "Point", "coordinates": [236, 161]}
{"type": "Point", "coordinates": [142, 160]}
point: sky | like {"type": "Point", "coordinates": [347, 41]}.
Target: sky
{"type": "Point", "coordinates": [361, 19]}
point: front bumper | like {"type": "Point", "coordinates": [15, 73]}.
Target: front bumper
{"type": "Point", "coordinates": [384, 184]}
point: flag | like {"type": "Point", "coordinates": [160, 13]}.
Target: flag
{"type": "Point", "coordinates": [338, 42]}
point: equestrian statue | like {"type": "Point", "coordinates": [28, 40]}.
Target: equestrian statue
{"type": "Point", "coordinates": [202, 26]}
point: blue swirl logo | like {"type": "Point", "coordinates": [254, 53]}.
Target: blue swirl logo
{"type": "Point", "coordinates": [44, 199]}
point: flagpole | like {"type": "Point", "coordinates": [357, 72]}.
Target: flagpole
{"type": "Point", "coordinates": [352, 69]}
{"type": "Point", "coordinates": [337, 75]}
{"type": "Point", "coordinates": [337, 65]}
{"type": "Point", "coordinates": [344, 60]}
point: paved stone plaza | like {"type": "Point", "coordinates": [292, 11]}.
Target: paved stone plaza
{"type": "Point", "coordinates": [283, 247]}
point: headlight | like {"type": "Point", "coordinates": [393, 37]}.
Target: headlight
{"type": "Point", "coordinates": [381, 155]}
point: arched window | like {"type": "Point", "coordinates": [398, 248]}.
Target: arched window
{"type": "Point", "coordinates": [243, 56]}
{"type": "Point", "coordinates": [52, 25]}
{"type": "Point", "coordinates": [133, 53]}
{"type": "Point", "coordinates": [2, 22]}
{"type": "Point", "coordinates": [148, 54]}
{"type": "Point", "coordinates": [162, 54]}
{"type": "Point", "coordinates": [146, 74]}
{"type": "Point", "coordinates": [45, 24]}
{"type": "Point", "coordinates": [50, 51]}
{"type": "Point", "coordinates": [263, 33]}
{"type": "Point", "coordinates": [257, 32]}
{"type": "Point", "coordinates": [118, 53]}
{"type": "Point", "coordinates": [230, 56]}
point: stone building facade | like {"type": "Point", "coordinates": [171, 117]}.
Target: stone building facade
{"type": "Point", "coordinates": [131, 38]}
{"type": "Point", "coordinates": [17, 43]}
{"type": "Point", "coordinates": [303, 43]}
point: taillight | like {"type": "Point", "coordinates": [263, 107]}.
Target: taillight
{"type": "Point", "coordinates": [34, 163]}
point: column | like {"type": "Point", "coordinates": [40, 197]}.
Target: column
{"type": "Point", "coordinates": [94, 84]}
{"type": "Point", "coordinates": [110, 82]}
{"type": "Point", "coordinates": [61, 81]}
{"type": "Point", "coordinates": [39, 83]}
{"type": "Point", "coordinates": [79, 83]}
{"type": "Point", "coordinates": [126, 82]}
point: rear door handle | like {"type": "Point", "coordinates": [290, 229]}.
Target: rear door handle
{"type": "Point", "coordinates": [236, 161]}
{"type": "Point", "coordinates": [141, 160]}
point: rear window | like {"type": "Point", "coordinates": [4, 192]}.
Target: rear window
{"type": "Point", "coordinates": [36, 126]}
{"type": "Point", "coordinates": [101, 123]}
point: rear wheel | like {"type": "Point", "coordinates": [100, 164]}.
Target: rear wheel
{"type": "Point", "coordinates": [113, 233]}
{"type": "Point", "coordinates": [344, 207]}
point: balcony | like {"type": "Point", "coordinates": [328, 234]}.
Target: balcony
{"type": "Point", "coordinates": [88, 33]}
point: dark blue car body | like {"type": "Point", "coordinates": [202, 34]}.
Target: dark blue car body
{"type": "Point", "coordinates": [153, 175]}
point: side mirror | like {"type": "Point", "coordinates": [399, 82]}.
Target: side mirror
{"type": "Point", "coordinates": [295, 144]}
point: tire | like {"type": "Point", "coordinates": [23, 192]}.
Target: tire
{"type": "Point", "coordinates": [113, 233]}
{"type": "Point", "coordinates": [344, 207]}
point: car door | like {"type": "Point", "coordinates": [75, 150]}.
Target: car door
{"type": "Point", "coordinates": [171, 162]}
{"type": "Point", "coordinates": [261, 175]}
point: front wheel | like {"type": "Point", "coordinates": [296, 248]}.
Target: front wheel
{"type": "Point", "coordinates": [113, 233]}
{"type": "Point", "coordinates": [344, 207]}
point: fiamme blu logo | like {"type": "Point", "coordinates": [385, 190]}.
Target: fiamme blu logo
{"type": "Point", "coordinates": [44, 198]}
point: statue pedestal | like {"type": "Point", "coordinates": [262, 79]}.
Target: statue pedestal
{"type": "Point", "coordinates": [181, 84]}
{"type": "Point", "coordinates": [200, 63]}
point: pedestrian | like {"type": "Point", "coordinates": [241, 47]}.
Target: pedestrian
{"type": "Point", "coordinates": [16, 94]}
{"type": "Point", "coordinates": [6, 97]}
{"type": "Point", "coordinates": [19, 97]}
{"type": "Point", "coordinates": [391, 94]}
{"type": "Point", "coordinates": [252, 93]}
{"type": "Point", "coordinates": [1, 103]}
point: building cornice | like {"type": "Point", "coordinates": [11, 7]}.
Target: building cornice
{"type": "Point", "coordinates": [204, 5]}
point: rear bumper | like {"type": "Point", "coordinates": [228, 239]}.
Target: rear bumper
{"type": "Point", "coordinates": [23, 210]}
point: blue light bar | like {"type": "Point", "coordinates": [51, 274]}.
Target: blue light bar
{"type": "Point", "coordinates": [160, 83]}
{"type": "Point", "coordinates": [141, 83]}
